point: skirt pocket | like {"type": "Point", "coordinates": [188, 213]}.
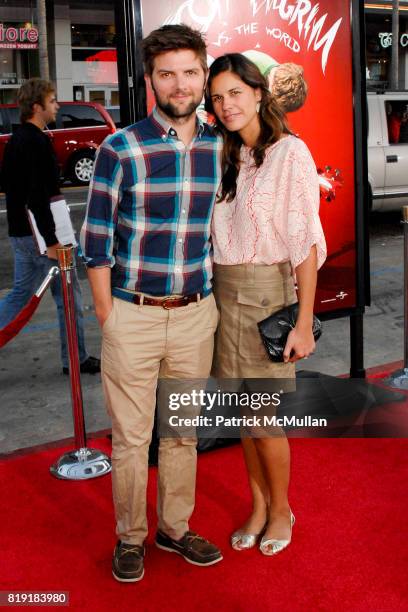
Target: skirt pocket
{"type": "Point", "coordinates": [254, 305]}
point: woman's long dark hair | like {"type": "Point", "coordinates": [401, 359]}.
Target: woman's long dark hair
{"type": "Point", "coordinates": [272, 119]}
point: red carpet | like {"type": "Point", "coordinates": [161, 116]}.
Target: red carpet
{"type": "Point", "coordinates": [349, 549]}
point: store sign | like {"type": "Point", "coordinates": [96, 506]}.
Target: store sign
{"type": "Point", "coordinates": [386, 39]}
{"type": "Point", "coordinates": [10, 78]}
{"type": "Point", "coordinates": [18, 38]}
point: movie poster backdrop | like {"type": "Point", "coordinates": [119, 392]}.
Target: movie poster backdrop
{"type": "Point", "coordinates": [317, 36]}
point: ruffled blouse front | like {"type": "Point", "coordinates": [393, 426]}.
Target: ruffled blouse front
{"type": "Point", "coordinates": [274, 216]}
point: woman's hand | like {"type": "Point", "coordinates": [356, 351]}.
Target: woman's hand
{"type": "Point", "coordinates": [301, 342]}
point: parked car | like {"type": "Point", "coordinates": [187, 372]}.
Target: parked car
{"type": "Point", "coordinates": [388, 149]}
{"type": "Point", "coordinates": [78, 131]}
{"type": "Point", "coordinates": [114, 112]}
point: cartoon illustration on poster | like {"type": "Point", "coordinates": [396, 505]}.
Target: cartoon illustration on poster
{"type": "Point", "coordinates": [316, 37]}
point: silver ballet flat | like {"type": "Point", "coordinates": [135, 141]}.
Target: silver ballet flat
{"type": "Point", "coordinates": [243, 541]}
{"type": "Point", "coordinates": [271, 547]}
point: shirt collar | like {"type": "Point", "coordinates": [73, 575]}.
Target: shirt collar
{"type": "Point", "coordinates": [168, 129]}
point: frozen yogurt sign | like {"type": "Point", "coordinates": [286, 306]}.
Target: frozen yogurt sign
{"type": "Point", "coordinates": [386, 39]}
{"type": "Point", "coordinates": [297, 24]}
{"type": "Point", "coordinates": [25, 37]}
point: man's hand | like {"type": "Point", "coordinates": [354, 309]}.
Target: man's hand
{"type": "Point", "coordinates": [100, 281]}
{"type": "Point", "coordinates": [52, 250]}
{"type": "Point", "coordinates": [102, 313]}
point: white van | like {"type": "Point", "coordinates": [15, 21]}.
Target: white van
{"type": "Point", "coordinates": [388, 149]}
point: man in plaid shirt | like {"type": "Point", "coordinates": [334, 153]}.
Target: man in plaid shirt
{"type": "Point", "coordinates": [146, 241]}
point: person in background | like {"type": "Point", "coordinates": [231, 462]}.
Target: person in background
{"type": "Point", "coordinates": [395, 120]}
{"type": "Point", "coordinates": [30, 178]}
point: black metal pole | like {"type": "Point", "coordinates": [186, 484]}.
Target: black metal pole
{"type": "Point", "coordinates": [132, 91]}
{"type": "Point", "coordinates": [361, 191]}
{"type": "Point", "coordinates": [405, 222]}
{"type": "Point", "coordinates": [357, 345]}
{"type": "Point", "coordinates": [399, 379]}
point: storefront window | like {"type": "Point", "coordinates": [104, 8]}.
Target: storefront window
{"type": "Point", "coordinates": [16, 64]}
{"type": "Point", "coordinates": [379, 48]}
{"type": "Point", "coordinates": [96, 36]}
{"type": "Point", "coordinates": [378, 57]}
{"type": "Point", "coordinates": [94, 63]}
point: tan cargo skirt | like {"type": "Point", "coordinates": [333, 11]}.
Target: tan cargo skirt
{"type": "Point", "coordinates": [246, 294]}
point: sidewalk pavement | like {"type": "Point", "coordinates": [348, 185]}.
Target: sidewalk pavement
{"type": "Point", "coordinates": [35, 395]}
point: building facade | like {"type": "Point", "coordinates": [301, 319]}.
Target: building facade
{"type": "Point", "coordinates": [81, 48]}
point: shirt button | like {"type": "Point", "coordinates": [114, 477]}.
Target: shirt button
{"type": "Point", "coordinates": [265, 302]}
{"type": "Point", "coordinates": [180, 240]}
{"type": "Point", "coordinates": [184, 210]}
{"type": "Point", "coordinates": [178, 269]}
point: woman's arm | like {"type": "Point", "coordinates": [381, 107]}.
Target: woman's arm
{"type": "Point", "coordinates": [300, 339]}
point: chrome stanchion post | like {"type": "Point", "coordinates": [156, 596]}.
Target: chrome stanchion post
{"type": "Point", "coordinates": [400, 379]}
{"type": "Point", "coordinates": [84, 462]}
{"type": "Point", "coordinates": [46, 282]}
{"type": "Point", "coordinates": [65, 261]}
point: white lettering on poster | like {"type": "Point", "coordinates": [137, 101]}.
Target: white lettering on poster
{"type": "Point", "coordinates": [308, 25]}
{"type": "Point", "coordinates": [223, 39]}
{"type": "Point", "coordinates": [313, 27]}
{"type": "Point", "coordinates": [284, 38]}
{"type": "Point", "coordinates": [247, 28]}
{"type": "Point", "coordinates": [187, 12]}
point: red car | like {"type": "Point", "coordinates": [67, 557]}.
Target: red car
{"type": "Point", "coordinates": [78, 131]}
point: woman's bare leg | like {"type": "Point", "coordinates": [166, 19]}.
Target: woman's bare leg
{"type": "Point", "coordinates": [274, 457]}
{"type": "Point", "coordinates": [259, 489]}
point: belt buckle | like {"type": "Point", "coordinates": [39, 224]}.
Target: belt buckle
{"type": "Point", "coordinates": [170, 299]}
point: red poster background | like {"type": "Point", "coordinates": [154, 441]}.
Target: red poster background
{"type": "Point", "coordinates": [325, 122]}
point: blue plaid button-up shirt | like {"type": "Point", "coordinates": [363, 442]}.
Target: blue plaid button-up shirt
{"type": "Point", "coordinates": [149, 208]}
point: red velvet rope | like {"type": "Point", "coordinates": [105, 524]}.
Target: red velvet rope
{"type": "Point", "coordinates": [12, 329]}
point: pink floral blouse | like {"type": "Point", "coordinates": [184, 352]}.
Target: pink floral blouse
{"type": "Point", "coordinates": [274, 216]}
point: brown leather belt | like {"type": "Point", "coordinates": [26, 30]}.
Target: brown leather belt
{"type": "Point", "coordinates": [167, 303]}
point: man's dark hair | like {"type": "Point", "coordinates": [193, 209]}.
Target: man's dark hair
{"type": "Point", "coordinates": [34, 91]}
{"type": "Point", "coordinates": [172, 38]}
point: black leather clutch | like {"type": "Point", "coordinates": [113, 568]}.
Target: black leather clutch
{"type": "Point", "coordinates": [275, 330]}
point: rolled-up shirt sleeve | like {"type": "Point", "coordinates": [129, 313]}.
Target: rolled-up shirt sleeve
{"type": "Point", "coordinates": [97, 234]}
{"type": "Point", "coordinates": [300, 226]}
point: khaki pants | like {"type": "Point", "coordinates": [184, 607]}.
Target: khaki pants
{"type": "Point", "coordinates": [139, 344]}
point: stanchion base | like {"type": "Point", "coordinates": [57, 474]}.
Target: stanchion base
{"type": "Point", "coordinates": [81, 464]}
{"type": "Point", "coordinates": [399, 379]}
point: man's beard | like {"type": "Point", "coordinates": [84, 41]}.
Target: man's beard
{"type": "Point", "coordinates": [173, 111]}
